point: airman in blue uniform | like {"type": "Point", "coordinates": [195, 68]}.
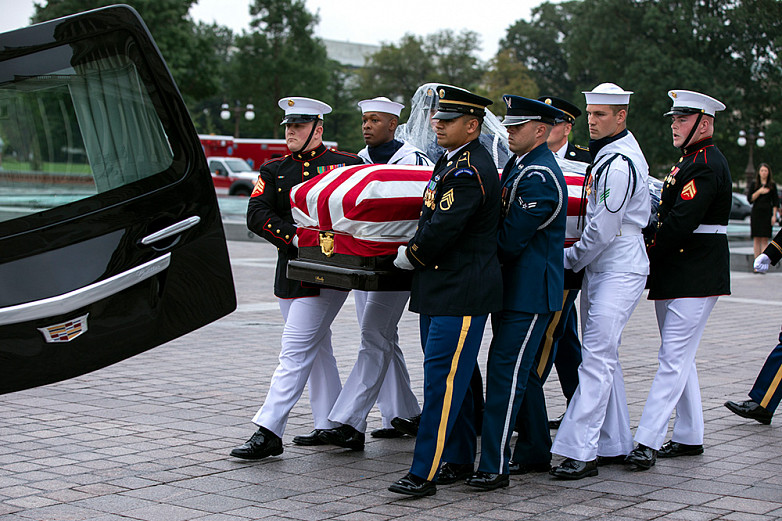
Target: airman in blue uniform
{"type": "Point", "coordinates": [456, 284]}
{"type": "Point", "coordinates": [531, 244]}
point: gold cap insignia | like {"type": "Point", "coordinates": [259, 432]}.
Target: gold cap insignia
{"type": "Point", "coordinates": [291, 103]}
{"type": "Point", "coordinates": [672, 94]}
{"type": "Point", "coordinates": [548, 101]}
{"type": "Point", "coordinates": [442, 93]}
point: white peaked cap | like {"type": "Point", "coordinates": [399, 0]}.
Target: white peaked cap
{"type": "Point", "coordinates": [689, 102]}
{"type": "Point", "coordinates": [298, 109]}
{"type": "Point", "coordinates": [607, 94]}
{"type": "Point", "coordinates": [381, 104]}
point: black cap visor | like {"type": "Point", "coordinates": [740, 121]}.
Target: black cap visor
{"type": "Point", "coordinates": [684, 111]}
{"type": "Point", "coordinates": [298, 118]}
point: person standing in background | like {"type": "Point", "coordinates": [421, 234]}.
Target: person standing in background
{"type": "Point", "coordinates": [763, 195]}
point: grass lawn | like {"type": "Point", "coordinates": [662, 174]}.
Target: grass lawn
{"type": "Point", "coordinates": [11, 164]}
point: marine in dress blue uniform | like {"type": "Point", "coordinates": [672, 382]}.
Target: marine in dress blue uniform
{"type": "Point", "coordinates": [531, 243]}
{"type": "Point", "coordinates": [689, 269]}
{"type": "Point", "coordinates": [766, 393]}
{"type": "Point", "coordinates": [456, 284]}
{"type": "Point", "coordinates": [305, 355]}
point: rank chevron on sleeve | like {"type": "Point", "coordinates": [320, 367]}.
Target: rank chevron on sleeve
{"type": "Point", "coordinates": [689, 190]}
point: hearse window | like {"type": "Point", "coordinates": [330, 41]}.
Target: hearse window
{"type": "Point", "coordinates": [84, 127]}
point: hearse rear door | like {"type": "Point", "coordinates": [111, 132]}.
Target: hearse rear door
{"type": "Point", "coordinates": [111, 241]}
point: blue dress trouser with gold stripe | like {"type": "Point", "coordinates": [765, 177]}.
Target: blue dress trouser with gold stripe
{"type": "Point", "coordinates": [511, 359]}
{"type": "Point", "coordinates": [767, 390]}
{"type": "Point", "coordinates": [533, 445]}
{"type": "Point", "coordinates": [447, 431]}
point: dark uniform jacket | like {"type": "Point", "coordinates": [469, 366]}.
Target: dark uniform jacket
{"type": "Point", "coordinates": [697, 191]}
{"type": "Point", "coordinates": [532, 233]}
{"type": "Point", "coordinates": [774, 248]}
{"type": "Point", "coordinates": [269, 210]}
{"type": "Point", "coordinates": [577, 153]}
{"type": "Point", "coordinates": [454, 250]}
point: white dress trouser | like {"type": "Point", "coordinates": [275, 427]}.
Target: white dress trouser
{"type": "Point", "coordinates": [597, 421]}
{"type": "Point", "coordinates": [380, 373]}
{"type": "Point", "coordinates": [675, 386]}
{"type": "Point", "coordinates": [305, 357]}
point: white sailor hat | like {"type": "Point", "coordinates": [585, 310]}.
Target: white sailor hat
{"type": "Point", "coordinates": [688, 102]}
{"type": "Point", "coordinates": [302, 110]}
{"type": "Point", "coordinates": [607, 94]}
{"type": "Point", "coordinates": [381, 104]}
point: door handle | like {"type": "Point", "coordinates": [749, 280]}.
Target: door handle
{"type": "Point", "coordinates": [169, 231]}
{"type": "Point", "coordinates": [81, 297]}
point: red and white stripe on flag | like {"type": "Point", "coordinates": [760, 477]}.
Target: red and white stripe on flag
{"type": "Point", "coordinates": [372, 209]}
{"type": "Point", "coordinates": [378, 203]}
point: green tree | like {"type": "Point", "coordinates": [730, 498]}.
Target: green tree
{"type": "Point", "coordinates": [726, 48]}
{"type": "Point", "coordinates": [538, 46]}
{"type": "Point", "coordinates": [398, 69]}
{"type": "Point", "coordinates": [506, 75]}
{"type": "Point", "coordinates": [278, 57]}
{"type": "Point", "coordinates": [187, 50]}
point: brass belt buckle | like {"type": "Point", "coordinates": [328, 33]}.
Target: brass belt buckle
{"type": "Point", "coordinates": [326, 241]}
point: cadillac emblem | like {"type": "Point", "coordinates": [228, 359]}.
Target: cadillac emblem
{"type": "Point", "coordinates": [65, 331]}
{"type": "Point", "coordinates": [326, 241]}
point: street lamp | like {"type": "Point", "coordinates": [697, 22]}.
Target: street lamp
{"type": "Point", "coordinates": [249, 114]}
{"type": "Point", "coordinates": [749, 138]}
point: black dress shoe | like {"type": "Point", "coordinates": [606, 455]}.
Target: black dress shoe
{"type": "Point", "coordinates": [556, 422]}
{"type": "Point", "coordinates": [343, 436]}
{"type": "Point", "coordinates": [260, 445]}
{"type": "Point", "coordinates": [642, 457]}
{"type": "Point", "coordinates": [309, 439]}
{"type": "Point", "coordinates": [674, 449]}
{"type": "Point", "coordinates": [751, 410]}
{"type": "Point", "coordinates": [386, 433]}
{"type": "Point", "coordinates": [411, 485]}
{"type": "Point", "coordinates": [602, 461]}
{"type": "Point", "coordinates": [453, 472]}
{"type": "Point", "coordinates": [528, 468]}
{"type": "Point", "coordinates": [488, 481]}
{"type": "Point", "coordinates": [574, 469]}
{"type": "Point", "coordinates": [407, 426]}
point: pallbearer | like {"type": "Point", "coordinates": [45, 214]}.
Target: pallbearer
{"type": "Point", "coordinates": [690, 268]}
{"type": "Point", "coordinates": [456, 284]}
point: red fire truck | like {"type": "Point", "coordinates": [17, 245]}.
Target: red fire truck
{"type": "Point", "coordinates": [255, 151]}
{"type": "Point", "coordinates": [234, 178]}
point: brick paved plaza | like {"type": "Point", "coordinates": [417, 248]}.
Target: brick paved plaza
{"type": "Point", "coordinates": [148, 438]}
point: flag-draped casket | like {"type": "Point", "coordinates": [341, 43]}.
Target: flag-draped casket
{"type": "Point", "coordinates": [352, 220]}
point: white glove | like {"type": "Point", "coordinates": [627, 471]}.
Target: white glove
{"type": "Point", "coordinates": [295, 241]}
{"type": "Point", "coordinates": [762, 263]}
{"type": "Point", "coordinates": [401, 261]}
{"type": "Point", "coordinates": [568, 266]}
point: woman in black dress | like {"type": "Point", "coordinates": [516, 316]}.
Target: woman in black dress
{"type": "Point", "coordinates": [765, 203]}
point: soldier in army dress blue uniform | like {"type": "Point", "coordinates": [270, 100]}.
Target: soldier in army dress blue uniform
{"type": "Point", "coordinates": [456, 284]}
{"type": "Point", "coordinates": [766, 393]}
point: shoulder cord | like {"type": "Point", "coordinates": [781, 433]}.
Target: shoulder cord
{"type": "Point", "coordinates": [539, 168]}
{"type": "Point", "coordinates": [629, 192]}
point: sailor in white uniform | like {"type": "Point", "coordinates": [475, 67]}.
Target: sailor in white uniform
{"type": "Point", "coordinates": [380, 372]}
{"type": "Point", "coordinates": [612, 251]}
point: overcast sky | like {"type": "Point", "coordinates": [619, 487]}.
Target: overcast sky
{"type": "Point", "coordinates": [357, 21]}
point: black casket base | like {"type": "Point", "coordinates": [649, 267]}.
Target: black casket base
{"type": "Point", "coordinates": [349, 271]}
